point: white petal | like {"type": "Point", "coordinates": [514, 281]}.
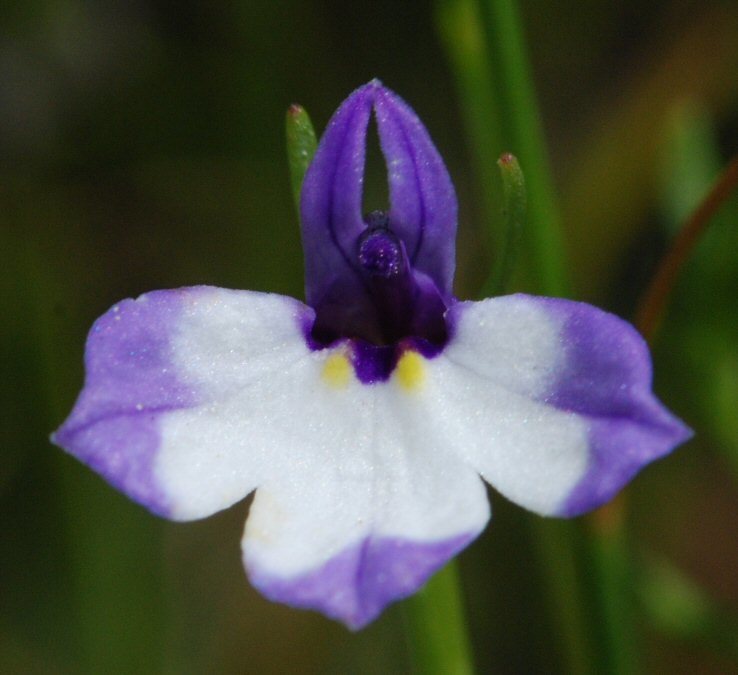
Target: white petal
{"type": "Point", "coordinates": [549, 399]}
{"type": "Point", "coordinates": [165, 373]}
{"type": "Point", "coordinates": [509, 340]}
{"type": "Point", "coordinates": [532, 453]}
{"type": "Point", "coordinates": [478, 400]}
{"type": "Point", "coordinates": [367, 515]}
{"type": "Point", "coordinates": [246, 356]}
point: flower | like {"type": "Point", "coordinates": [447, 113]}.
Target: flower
{"type": "Point", "coordinates": [365, 418]}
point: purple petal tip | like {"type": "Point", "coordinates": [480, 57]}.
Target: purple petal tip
{"type": "Point", "coordinates": [357, 584]}
{"type": "Point", "coordinates": [130, 381]}
{"type": "Point", "coordinates": [607, 378]}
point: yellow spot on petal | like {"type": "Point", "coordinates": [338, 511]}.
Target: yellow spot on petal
{"type": "Point", "coordinates": [337, 370]}
{"type": "Point", "coordinates": [410, 371]}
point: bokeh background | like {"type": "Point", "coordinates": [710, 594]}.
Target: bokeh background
{"type": "Point", "coordinates": [142, 147]}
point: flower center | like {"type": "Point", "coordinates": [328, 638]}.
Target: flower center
{"type": "Point", "coordinates": [390, 303]}
{"type": "Point", "coordinates": [405, 306]}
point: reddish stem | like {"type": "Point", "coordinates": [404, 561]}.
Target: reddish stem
{"type": "Point", "coordinates": [654, 301]}
{"type": "Point", "coordinates": [608, 519]}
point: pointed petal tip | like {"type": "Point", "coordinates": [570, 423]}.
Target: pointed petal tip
{"type": "Point", "coordinates": [375, 87]}
{"type": "Point", "coordinates": [607, 380]}
{"type": "Point", "coordinates": [368, 90]}
{"type": "Point", "coordinates": [677, 430]}
{"type": "Point", "coordinates": [62, 436]}
{"type": "Point", "coordinates": [611, 469]}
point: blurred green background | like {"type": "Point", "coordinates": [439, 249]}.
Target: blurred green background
{"type": "Point", "coordinates": [142, 147]}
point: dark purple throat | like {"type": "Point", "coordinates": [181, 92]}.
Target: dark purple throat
{"type": "Point", "coordinates": [387, 307]}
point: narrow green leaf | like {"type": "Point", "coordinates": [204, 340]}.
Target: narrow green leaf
{"type": "Point", "coordinates": [514, 213]}
{"type": "Point", "coordinates": [301, 146]}
{"type": "Point", "coordinates": [519, 111]}
{"type": "Point", "coordinates": [558, 546]}
{"type": "Point", "coordinates": [690, 164]}
{"type": "Point", "coordinates": [460, 28]}
{"type": "Point", "coordinates": [485, 45]}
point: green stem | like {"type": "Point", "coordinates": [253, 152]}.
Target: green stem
{"type": "Point", "coordinates": [612, 568]}
{"type": "Point", "coordinates": [436, 628]}
{"type": "Point", "coordinates": [558, 545]}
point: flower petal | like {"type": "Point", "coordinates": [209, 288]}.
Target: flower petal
{"type": "Point", "coordinates": [331, 201]}
{"type": "Point", "coordinates": [422, 210]}
{"type": "Point", "coordinates": [165, 372]}
{"type": "Point", "coordinates": [423, 201]}
{"type": "Point", "coordinates": [606, 377]}
{"type": "Point", "coordinates": [549, 399]}
{"type": "Point", "coordinates": [372, 514]}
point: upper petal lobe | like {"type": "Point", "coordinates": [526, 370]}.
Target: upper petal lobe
{"type": "Point", "coordinates": [423, 209]}
{"type": "Point", "coordinates": [422, 212]}
{"type": "Point", "coordinates": [331, 201]}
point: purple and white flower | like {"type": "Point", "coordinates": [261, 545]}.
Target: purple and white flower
{"type": "Point", "coordinates": [365, 418]}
